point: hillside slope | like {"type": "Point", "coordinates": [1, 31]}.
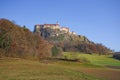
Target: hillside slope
{"type": "Point", "coordinates": [16, 41]}
{"type": "Point", "coordinates": [69, 41]}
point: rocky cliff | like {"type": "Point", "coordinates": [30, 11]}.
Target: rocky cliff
{"type": "Point", "coordinates": [58, 35]}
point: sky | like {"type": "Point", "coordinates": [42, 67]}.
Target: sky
{"type": "Point", "coordinates": [98, 20]}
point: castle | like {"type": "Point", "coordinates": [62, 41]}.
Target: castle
{"type": "Point", "coordinates": [52, 26]}
{"type": "Point", "coordinates": [40, 28]}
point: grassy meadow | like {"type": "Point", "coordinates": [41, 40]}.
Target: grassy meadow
{"type": "Point", "coordinates": [21, 69]}
{"type": "Point", "coordinates": [95, 59]}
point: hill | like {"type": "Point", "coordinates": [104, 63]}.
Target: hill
{"type": "Point", "coordinates": [69, 41]}
{"type": "Point", "coordinates": [16, 41]}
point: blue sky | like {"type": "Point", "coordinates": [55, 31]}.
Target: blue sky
{"type": "Point", "coordinates": [98, 20]}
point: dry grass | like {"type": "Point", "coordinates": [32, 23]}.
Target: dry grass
{"type": "Point", "coordinates": [110, 74]}
{"type": "Point", "coordinates": [19, 69]}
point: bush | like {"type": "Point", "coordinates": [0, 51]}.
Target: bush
{"type": "Point", "coordinates": [73, 56]}
{"type": "Point", "coordinates": [56, 51]}
{"type": "Point", "coordinates": [83, 60]}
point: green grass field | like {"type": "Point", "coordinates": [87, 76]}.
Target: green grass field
{"type": "Point", "coordinates": [102, 60]}
{"type": "Point", "coordinates": [21, 69]}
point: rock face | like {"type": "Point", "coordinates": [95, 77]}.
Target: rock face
{"type": "Point", "coordinates": [53, 33]}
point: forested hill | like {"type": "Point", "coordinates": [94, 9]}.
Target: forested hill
{"type": "Point", "coordinates": [68, 41]}
{"type": "Point", "coordinates": [16, 41]}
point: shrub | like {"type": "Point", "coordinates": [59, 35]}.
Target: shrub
{"type": "Point", "coordinates": [73, 56]}
{"type": "Point", "coordinates": [56, 51]}
{"type": "Point", "coordinates": [83, 60]}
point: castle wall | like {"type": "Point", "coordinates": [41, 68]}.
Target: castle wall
{"type": "Point", "coordinates": [65, 29]}
{"type": "Point", "coordinates": [52, 26]}
{"type": "Point", "coordinates": [73, 32]}
{"type": "Point", "coordinates": [37, 28]}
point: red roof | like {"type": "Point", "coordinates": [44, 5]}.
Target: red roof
{"type": "Point", "coordinates": [47, 25]}
{"type": "Point", "coordinates": [51, 24]}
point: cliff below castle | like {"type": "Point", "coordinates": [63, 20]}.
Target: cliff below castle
{"type": "Point", "coordinates": [55, 34]}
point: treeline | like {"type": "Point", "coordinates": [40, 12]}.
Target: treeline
{"type": "Point", "coordinates": [116, 55]}
{"type": "Point", "coordinates": [84, 47]}
{"type": "Point", "coordinates": [16, 41]}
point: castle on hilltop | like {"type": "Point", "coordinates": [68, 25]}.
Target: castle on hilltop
{"type": "Point", "coordinates": [40, 28]}
{"type": "Point", "coordinates": [51, 26]}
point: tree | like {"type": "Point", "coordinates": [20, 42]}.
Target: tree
{"type": "Point", "coordinates": [56, 51]}
{"type": "Point", "coordinates": [19, 42]}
